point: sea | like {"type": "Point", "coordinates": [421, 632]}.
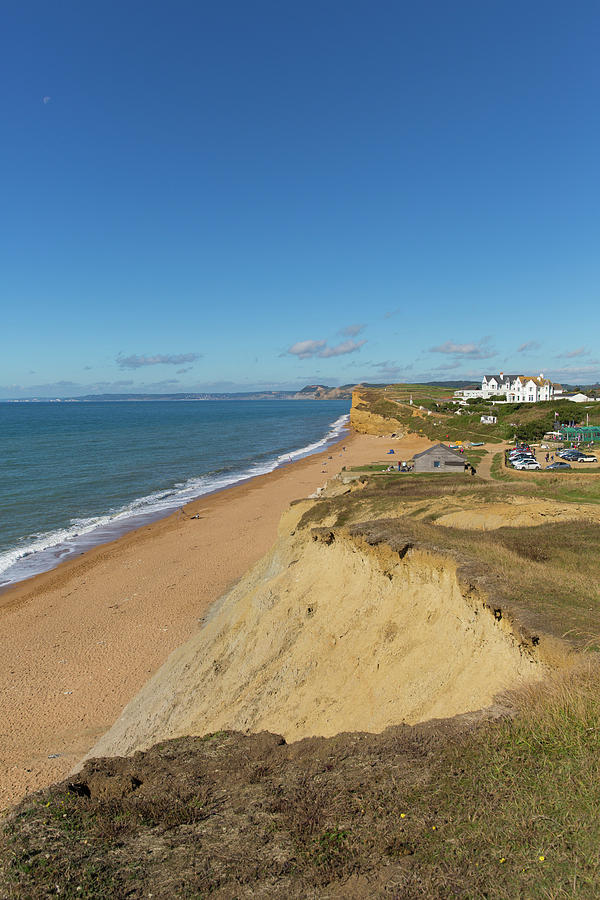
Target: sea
{"type": "Point", "coordinates": [74, 475]}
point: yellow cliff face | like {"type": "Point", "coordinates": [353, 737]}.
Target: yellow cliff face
{"type": "Point", "coordinates": [328, 634]}
{"type": "Point", "coordinates": [369, 423]}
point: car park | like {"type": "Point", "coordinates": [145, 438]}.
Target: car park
{"type": "Point", "coordinates": [559, 465]}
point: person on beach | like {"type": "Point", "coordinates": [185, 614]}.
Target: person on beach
{"type": "Point", "coordinates": [473, 470]}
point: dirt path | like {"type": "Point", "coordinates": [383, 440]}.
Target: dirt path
{"type": "Point", "coordinates": [485, 465]}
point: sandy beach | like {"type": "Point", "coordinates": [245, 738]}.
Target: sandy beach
{"type": "Point", "coordinates": [80, 641]}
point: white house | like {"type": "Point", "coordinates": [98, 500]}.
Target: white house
{"type": "Point", "coordinates": [516, 388]}
{"type": "Point", "coordinates": [530, 389]}
{"type": "Point", "coordinates": [495, 384]}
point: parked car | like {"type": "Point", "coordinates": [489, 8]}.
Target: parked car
{"type": "Point", "coordinates": [587, 458]}
{"type": "Point", "coordinates": [559, 465]}
{"type": "Point", "coordinates": [570, 451]}
{"type": "Point", "coordinates": [527, 464]}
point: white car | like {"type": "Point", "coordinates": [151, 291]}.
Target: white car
{"type": "Point", "coordinates": [527, 464]}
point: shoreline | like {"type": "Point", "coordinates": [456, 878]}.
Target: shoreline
{"type": "Point", "coordinates": [80, 640]}
{"type": "Point", "coordinates": [51, 557]}
{"type": "Point", "coordinates": [16, 592]}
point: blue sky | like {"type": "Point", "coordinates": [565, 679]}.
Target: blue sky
{"type": "Point", "coordinates": [242, 195]}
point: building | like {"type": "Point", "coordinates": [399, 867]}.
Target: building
{"type": "Point", "coordinates": [530, 389]}
{"type": "Point", "coordinates": [577, 398]}
{"type": "Point", "coordinates": [468, 394]}
{"type": "Point", "coordinates": [488, 420]}
{"type": "Point", "coordinates": [518, 388]}
{"type": "Point", "coordinates": [492, 385]}
{"type": "Point", "coordinates": [439, 459]}
{"type": "Point", "coordinates": [514, 388]}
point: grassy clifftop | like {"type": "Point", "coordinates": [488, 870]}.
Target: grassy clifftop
{"type": "Point", "coordinates": [433, 414]}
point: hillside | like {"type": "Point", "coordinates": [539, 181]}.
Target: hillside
{"type": "Point", "coordinates": [434, 414]}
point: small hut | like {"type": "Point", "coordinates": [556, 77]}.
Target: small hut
{"type": "Point", "coordinates": [439, 459]}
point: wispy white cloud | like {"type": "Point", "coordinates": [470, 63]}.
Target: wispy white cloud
{"type": "Point", "coordinates": [577, 372]}
{"type": "Point", "coordinates": [341, 349]}
{"type": "Point", "coordinates": [306, 349]}
{"type": "Point", "coordinates": [160, 359]}
{"type": "Point", "coordinates": [528, 345]}
{"type": "Point", "coordinates": [475, 350]}
{"type": "Point", "coordinates": [320, 349]}
{"type": "Point", "coordinates": [390, 368]}
{"type": "Point", "coordinates": [572, 354]}
{"type": "Point", "coordinates": [352, 330]}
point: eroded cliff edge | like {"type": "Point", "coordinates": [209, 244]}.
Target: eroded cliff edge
{"type": "Point", "coordinates": [327, 634]}
{"type": "Point", "coordinates": [365, 421]}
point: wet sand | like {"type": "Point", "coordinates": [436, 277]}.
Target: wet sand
{"type": "Point", "coordinates": [78, 642]}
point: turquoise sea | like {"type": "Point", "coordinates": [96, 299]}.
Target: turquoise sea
{"type": "Point", "coordinates": [73, 475]}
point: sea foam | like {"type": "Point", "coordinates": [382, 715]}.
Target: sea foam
{"type": "Point", "coordinates": [41, 551]}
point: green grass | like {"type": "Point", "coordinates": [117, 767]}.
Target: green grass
{"type": "Point", "coordinates": [514, 807]}
{"type": "Point", "coordinates": [497, 469]}
{"type": "Point", "coordinates": [372, 467]}
{"type": "Point", "coordinates": [474, 456]}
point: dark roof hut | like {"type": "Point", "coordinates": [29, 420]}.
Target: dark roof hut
{"type": "Point", "coordinates": [439, 458]}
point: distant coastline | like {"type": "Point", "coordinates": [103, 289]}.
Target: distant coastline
{"type": "Point", "coordinates": [310, 392]}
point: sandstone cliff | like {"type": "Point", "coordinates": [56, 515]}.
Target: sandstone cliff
{"type": "Point", "coordinates": [328, 634]}
{"type": "Point", "coordinates": [366, 422]}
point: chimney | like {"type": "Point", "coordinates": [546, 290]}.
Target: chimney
{"type": "Point", "coordinates": [541, 375]}
{"type": "Point", "coordinates": [501, 375]}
